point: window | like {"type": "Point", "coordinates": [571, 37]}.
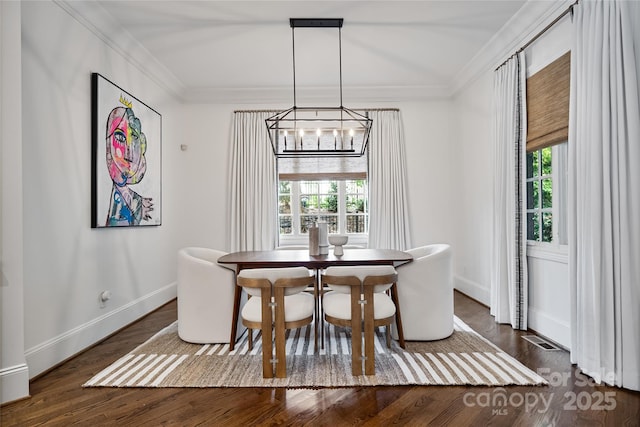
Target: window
{"type": "Point", "coordinates": [546, 194]}
{"type": "Point", "coordinates": [539, 195]}
{"type": "Point", "coordinates": [343, 204]}
{"type": "Point", "coordinates": [546, 161]}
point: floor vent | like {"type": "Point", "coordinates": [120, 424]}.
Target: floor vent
{"type": "Point", "coordinates": [541, 342]}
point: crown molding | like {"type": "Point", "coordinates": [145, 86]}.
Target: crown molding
{"type": "Point", "coordinates": [314, 95]}
{"type": "Point", "coordinates": [532, 18]}
{"type": "Point", "coordinates": [104, 26]}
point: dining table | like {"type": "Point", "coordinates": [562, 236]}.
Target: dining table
{"type": "Point", "coordinates": [302, 258]}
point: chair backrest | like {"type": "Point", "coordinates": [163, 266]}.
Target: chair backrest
{"type": "Point", "coordinates": [435, 250]}
{"type": "Point", "coordinates": [431, 264]}
{"type": "Point", "coordinates": [203, 254]}
{"type": "Point", "coordinates": [427, 281]}
{"type": "Point", "coordinates": [200, 264]}
{"type": "Point", "coordinates": [361, 272]}
{"type": "Point", "coordinates": [272, 275]}
{"type": "Point", "coordinates": [205, 292]}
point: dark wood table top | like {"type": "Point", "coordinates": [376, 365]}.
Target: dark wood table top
{"type": "Point", "coordinates": [301, 257]}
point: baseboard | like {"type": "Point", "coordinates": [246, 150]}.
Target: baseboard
{"type": "Point", "coordinates": [472, 289]}
{"type": "Point", "coordinates": [549, 327]}
{"type": "Point", "coordinates": [14, 383]}
{"type": "Point", "coordinates": [58, 349]}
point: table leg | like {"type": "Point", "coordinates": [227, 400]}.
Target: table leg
{"type": "Point", "coordinates": [321, 295]}
{"type": "Point", "coordinates": [394, 298]}
{"type": "Point", "coordinates": [317, 314]}
{"type": "Point", "coordinates": [236, 311]}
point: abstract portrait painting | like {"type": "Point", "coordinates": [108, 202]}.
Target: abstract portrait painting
{"type": "Point", "coordinates": [126, 156]}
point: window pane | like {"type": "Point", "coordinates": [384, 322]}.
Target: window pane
{"type": "Point", "coordinates": [531, 199]}
{"type": "Point", "coordinates": [546, 161]}
{"type": "Point", "coordinates": [547, 221]}
{"type": "Point", "coordinates": [534, 162]}
{"type": "Point", "coordinates": [329, 203]}
{"type": "Point", "coordinates": [355, 203]}
{"type": "Point", "coordinates": [546, 193]}
{"type": "Point", "coordinates": [284, 205]}
{"type": "Point", "coordinates": [356, 186]}
{"type": "Point", "coordinates": [530, 170]}
{"type": "Point", "coordinates": [328, 187]}
{"type": "Point", "coordinates": [332, 223]}
{"type": "Point", "coordinates": [305, 222]}
{"type": "Point", "coordinates": [532, 226]}
{"type": "Point", "coordinates": [307, 187]}
{"type": "Point", "coordinates": [285, 225]}
{"type": "Point", "coordinates": [285, 187]}
{"type": "Point", "coordinates": [356, 224]}
{"type": "Point", "coordinates": [308, 203]}
{"type": "Point", "coordinates": [535, 202]}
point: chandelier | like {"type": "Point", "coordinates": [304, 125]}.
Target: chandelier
{"type": "Point", "coordinates": [318, 131]}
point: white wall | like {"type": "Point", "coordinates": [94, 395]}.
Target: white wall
{"type": "Point", "coordinates": [204, 165]}
{"type": "Point", "coordinates": [430, 151]}
{"type": "Point", "coordinates": [472, 180]}
{"type": "Point", "coordinates": [66, 263]}
{"type": "Point", "coordinates": [14, 373]}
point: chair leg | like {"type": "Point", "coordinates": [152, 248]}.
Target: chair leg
{"type": "Point", "coordinates": [321, 310]}
{"type": "Point", "coordinates": [369, 333]}
{"type": "Point", "coordinates": [356, 333]}
{"type": "Point", "coordinates": [281, 356]}
{"type": "Point", "coordinates": [388, 328]}
{"type": "Point", "coordinates": [250, 338]}
{"type": "Point", "coordinates": [267, 344]}
{"type": "Point", "coordinates": [317, 314]}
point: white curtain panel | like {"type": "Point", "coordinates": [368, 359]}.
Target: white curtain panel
{"type": "Point", "coordinates": [604, 192]}
{"type": "Point", "coordinates": [388, 208]}
{"type": "Point", "coordinates": [252, 185]}
{"type": "Point", "coordinates": [508, 247]}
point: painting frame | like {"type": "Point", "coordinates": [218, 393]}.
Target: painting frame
{"type": "Point", "coordinates": [126, 158]}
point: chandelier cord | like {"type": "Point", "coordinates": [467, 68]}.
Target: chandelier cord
{"type": "Point", "coordinates": [293, 43]}
{"type": "Point", "coordinates": [340, 57]}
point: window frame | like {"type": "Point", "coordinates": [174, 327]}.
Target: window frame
{"type": "Point", "coordinates": [559, 175]}
{"type": "Point", "coordinates": [297, 238]}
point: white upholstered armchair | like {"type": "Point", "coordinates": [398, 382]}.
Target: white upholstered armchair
{"type": "Point", "coordinates": [205, 296]}
{"type": "Point", "coordinates": [425, 293]}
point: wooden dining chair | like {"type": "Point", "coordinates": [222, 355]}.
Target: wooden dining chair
{"type": "Point", "coordinates": [276, 300]}
{"type": "Point", "coordinates": [358, 300]}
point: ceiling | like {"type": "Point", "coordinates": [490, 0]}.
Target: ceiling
{"type": "Point", "coordinates": [215, 46]}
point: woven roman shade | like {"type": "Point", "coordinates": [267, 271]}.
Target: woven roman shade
{"type": "Point", "coordinates": [548, 104]}
{"type": "Point", "coordinates": [322, 168]}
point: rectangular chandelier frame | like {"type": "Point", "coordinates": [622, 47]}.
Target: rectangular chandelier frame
{"type": "Point", "coordinates": [319, 132]}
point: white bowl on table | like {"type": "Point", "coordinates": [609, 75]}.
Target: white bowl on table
{"type": "Point", "coordinates": [338, 240]}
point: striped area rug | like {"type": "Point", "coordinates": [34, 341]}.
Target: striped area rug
{"type": "Point", "coordinates": [465, 358]}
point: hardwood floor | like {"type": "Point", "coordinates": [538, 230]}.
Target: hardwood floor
{"type": "Point", "coordinates": [58, 399]}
